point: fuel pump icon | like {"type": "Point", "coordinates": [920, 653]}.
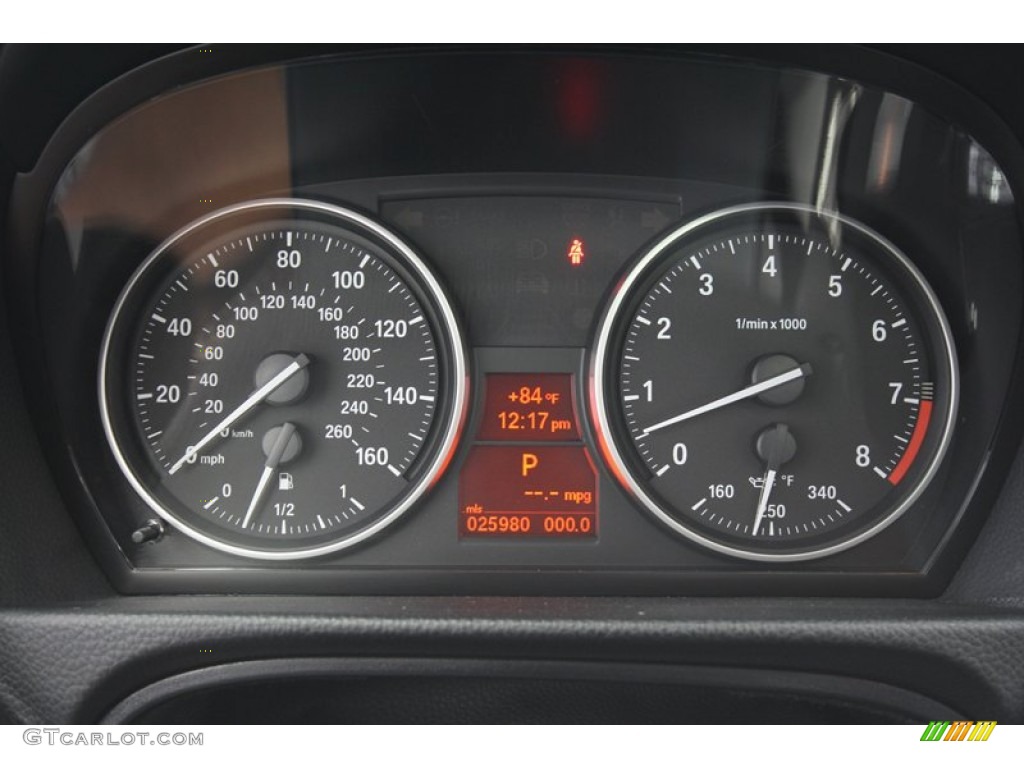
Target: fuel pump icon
{"type": "Point", "coordinates": [285, 481]}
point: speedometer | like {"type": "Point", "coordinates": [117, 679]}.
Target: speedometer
{"type": "Point", "coordinates": [282, 379]}
{"type": "Point", "coordinates": [774, 383]}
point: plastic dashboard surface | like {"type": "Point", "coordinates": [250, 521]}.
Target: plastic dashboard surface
{"type": "Point", "coordinates": [529, 184]}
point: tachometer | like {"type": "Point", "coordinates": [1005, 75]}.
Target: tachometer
{"type": "Point", "coordinates": [774, 383]}
{"type": "Point", "coordinates": [282, 379]}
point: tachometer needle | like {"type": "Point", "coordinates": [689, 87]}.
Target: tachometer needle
{"type": "Point", "coordinates": [269, 467]}
{"type": "Point", "coordinates": [257, 397]}
{"type": "Point", "coordinates": [751, 391]}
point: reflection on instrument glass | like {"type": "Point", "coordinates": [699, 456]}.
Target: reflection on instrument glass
{"type": "Point", "coordinates": [529, 269]}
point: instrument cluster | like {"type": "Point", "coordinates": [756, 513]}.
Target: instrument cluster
{"type": "Point", "coordinates": [588, 355]}
{"type": "Point", "coordinates": [285, 379]}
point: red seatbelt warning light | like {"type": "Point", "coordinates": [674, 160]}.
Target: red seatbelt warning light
{"type": "Point", "coordinates": [576, 253]}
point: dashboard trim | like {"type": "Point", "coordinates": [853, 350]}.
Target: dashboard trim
{"type": "Point", "coordinates": [843, 689]}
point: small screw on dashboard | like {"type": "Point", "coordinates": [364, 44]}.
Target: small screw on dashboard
{"type": "Point", "coordinates": [151, 531]}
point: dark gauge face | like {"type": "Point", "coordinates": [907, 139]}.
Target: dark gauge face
{"type": "Point", "coordinates": [774, 383]}
{"type": "Point", "coordinates": [282, 379]}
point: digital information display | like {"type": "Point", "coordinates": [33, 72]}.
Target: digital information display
{"type": "Point", "coordinates": [529, 474]}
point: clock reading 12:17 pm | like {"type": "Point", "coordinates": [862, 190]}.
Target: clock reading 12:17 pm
{"type": "Point", "coordinates": [774, 383]}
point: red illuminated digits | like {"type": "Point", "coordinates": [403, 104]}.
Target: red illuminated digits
{"type": "Point", "coordinates": [518, 487]}
{"type": "Point", "coordinates": [543, 490]}
{"type": "Point", "coordinates": [529, 407]}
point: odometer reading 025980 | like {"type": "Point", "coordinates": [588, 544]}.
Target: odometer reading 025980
{"type": "Point", "coordinates": [282, 379]}
{"type": "Point", "coordinates": [774, 383]}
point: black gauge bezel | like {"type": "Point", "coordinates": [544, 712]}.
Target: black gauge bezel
{"type": "Point", "coordinates": [184, 246]}
{"type": "Point", "coordinates": [632, 288]}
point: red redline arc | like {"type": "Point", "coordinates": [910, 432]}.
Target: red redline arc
{"type": "Point", "coordinates": [916, 439]}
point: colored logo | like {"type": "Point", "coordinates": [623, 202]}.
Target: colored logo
{"type": "Point", "coordinates": [959, 730]}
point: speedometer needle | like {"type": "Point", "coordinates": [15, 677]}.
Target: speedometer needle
{"type": "Point", "coordinates": [269, 467]}
{"type": "Point", "coordinates": [257, 397]}
{"type": "Point", "coordinates": [751, 391]}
